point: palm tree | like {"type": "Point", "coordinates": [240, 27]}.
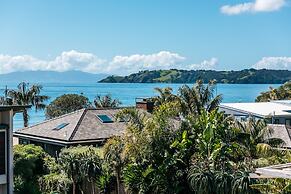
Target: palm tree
{"type": "Point", "coordinates": [91, 166]}
{"type": "Point", "coordinates": [106, 102]}
{"type": "Point", "coordinates": [80, 163]}
{"type": "Point", "coordinates": [25, 95]}
{"type": "Point", "coordinates": [218, 149]}
{"type": "Point", "coordinates": [3, 99]}
{"type": "Point", "coordinates": [259, 136]}
{"type": "Point", "coordinates": [165, 95]}
{"type": "Point", "coordinates": [113, 156]}
{"type": "Point", "coordinates": [199, 97]}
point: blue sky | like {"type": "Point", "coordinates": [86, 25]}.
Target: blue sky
{"type": "Point", "coordinates": [130, 35]}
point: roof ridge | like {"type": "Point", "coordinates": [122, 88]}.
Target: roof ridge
{"type": "Point", "coordinates": [109, 108]}
{"type": "Point", "coordinates": [45, 121]}
{"type": "Point", "coordinates": [78, 124]}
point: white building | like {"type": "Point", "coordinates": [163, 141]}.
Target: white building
{"type": "Point", "coordinates": [6, 147]}
{"type": "Point", "coordinates": [275, 112]}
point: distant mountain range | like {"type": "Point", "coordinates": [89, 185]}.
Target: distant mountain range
{"type": "Point", "coordinates": [246, 76]}
{"type": "Point", "coordinates": [50, 77]}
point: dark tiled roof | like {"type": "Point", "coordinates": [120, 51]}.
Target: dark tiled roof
{"type": "Point", "coordinates": [83, 125]}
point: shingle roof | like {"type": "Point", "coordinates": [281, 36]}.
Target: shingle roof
{"type": "Point", "coordinates": [83, 125]}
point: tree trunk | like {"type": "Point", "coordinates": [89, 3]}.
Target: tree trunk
{"type": "Point", "coordinates": [118, 181]}
{"type": "Point", "coordinates": [93, 188]}
{"type": "Point", "coordinates": [25, 117]}
{"type": "Point", "coordinates": [74, 187]}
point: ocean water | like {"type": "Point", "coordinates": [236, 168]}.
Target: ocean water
{"type": "Point", "coordinates": [127, 92]}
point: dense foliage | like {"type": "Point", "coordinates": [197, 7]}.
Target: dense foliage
{"type": "Point", "coordinates": [29, 164]}
{"type": "Point", "coordinates": [247, 76]}
{"type": "Point", "coordinates": [281, 93]}
{"type": "Point", "coordinates": [185, 146]}
{"type": "Point", "coordinates": [65, 104]}
{"type": "Point", "coordinates": [80, 164]}
{"type": "Point", "coordinates": [68, 103]}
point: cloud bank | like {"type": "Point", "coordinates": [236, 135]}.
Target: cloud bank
{"type": "Point", "coordinates": [253, 7]}
{"type": "Point", "coordinates": [206, 64]}
{"type": "Point", "coordinates": [279, 63]}
{"type": "Point", "coordinates": [88, 62]}
{"type": "Point", "coordinates": [71, 60]}
{"type": "Point", "coordinates": [134, 63]}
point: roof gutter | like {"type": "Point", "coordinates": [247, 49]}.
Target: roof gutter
{"type": "Point", "coordinates": [57, 141]}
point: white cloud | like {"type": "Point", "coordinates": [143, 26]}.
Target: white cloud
{"type": "Point", "coordinates": [19, 63]}
{"type": "Point", "coordinates": [70, 60]}
{"type": "Point", "coordinates": [73, 60]}
{"type": "Point", "coordinates": [274, 63]}
{"type": "Point", "coordinates": [205, 65]}
{"type": "Point", "coordinates": [256, 6]}
{"type": "Point", "coordinates": [88, 62]}
{"type": "Point", "coordinates": [137, 62]}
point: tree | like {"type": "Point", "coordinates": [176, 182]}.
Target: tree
{"type": "Point", "coordinates": [106, 102]}
{"type": "Point", "coordinates": [29, 165]}
{"type": "Point", "coordinates": [66, 103]}
{"type": "Point", "coordinates": [80, 164]}
{"type": "Point", "coordinates": [215, 167]}
{"type": "Point", "coordinates": [113, 157]}
{"type": "Point", "coordinates": [25, 95]}
{"type": "Point", "coordinates": [4, 100]}
{"type": "Point", "coordinates": [165, 95]}
{"type": "Point", "coordinates": [259, 137]}
{"type": "Point", "coordinates": [281, 93]}
{"type": "Point", "coordinates": [194, 100]}
{"type": "Point", "coordinates": [151, 167]}
{"type": "Point", "coordinates": [54, 183]}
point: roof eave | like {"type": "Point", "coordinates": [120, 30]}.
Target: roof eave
{"type": "Point", "coordinates": [58, 141]}
{"type": "Point", "coordinates": [15, 108]}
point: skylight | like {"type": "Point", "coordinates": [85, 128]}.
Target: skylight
{"type": "Point", "coordinates": [61, 126]}
{"type": "Point", "coordinates": [105, 119]}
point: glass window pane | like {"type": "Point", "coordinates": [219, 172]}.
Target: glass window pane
{"type": "Point", "coordinates": [105, 119]}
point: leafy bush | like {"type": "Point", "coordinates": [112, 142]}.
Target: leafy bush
{"type": "Point", "coordinates": [29, 165]}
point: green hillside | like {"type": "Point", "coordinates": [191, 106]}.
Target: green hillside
{"type": "Point", "coordinates": [247, 76]}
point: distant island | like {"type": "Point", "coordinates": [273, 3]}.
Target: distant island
{"type": "Point", "coordinates": [50, 77]}
{"type": "Point", "coordinates": [246, 76]}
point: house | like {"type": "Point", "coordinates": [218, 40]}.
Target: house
{"type": "Point", "coordinates": [83, 127]}
{"type": "Point", "coordinates": [275, 112]}
{"type": "Point", "coordinates": [6, 147]}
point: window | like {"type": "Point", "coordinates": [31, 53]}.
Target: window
{"type": "Point", "coordinates": [2, 152]}
{"type": "Point", "coordinates": [268, 121]}
{"type": "Point", "coordinates": [61, 126]}
{"type": "Point", "coordinates": [104, 118]}
{"type": "Point", "coordinates": [288, 122]}
{"type": "Point", "coordinates": [276, 121]}
{"type": "Point", "coordinates": [23, 141]}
